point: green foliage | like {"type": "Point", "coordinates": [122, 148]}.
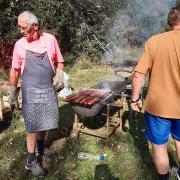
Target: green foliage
{"type": "Point", "coordinates": [177, 2]}
{"type": "Point", "coordinates": [78, 25]}
{"type": "Point", "coordinates": [3, 76]}
{"type": "Point", "coordinates": [8, 16]}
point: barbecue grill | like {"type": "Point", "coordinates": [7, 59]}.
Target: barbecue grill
{"type": "Point", "coordinates": [99, 99]}
{"type": "Point", "coordinates": [102, 99]}
{"type": "Point", "coordinates": [90, 102]}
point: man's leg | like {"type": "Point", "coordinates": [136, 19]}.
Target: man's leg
{"type": "Point", "coordinates": [41, 135]}
{"type": "Point", "coordinates": [41, 150]}
{"type": "Point", "coordinates": [157, 132]}
{"type": "Point", "coordinates": [160, 158]}
{"type": "Point", "coordinates": [40, 142]}
{"type": "Point", "coordinates": [32, 165]}
{"type": "Point", "coordinates": [31, 145]}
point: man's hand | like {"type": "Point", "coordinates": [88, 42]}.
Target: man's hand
{"type": "Point", "coordinates": [137, 106]}
{"type": "Point", "coordinates": [13, 98]}
{"type": "Point", "coordinates": [58, 80]}
{"type": "Point", "coordinates": [137, 84]}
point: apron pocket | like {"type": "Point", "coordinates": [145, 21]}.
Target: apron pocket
{"type": "Point", "coordinates": [36, 95]}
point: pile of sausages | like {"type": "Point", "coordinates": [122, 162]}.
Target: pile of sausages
{"type": "Point", "coordinates": [87, 96]}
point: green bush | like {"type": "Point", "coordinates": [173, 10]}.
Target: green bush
{"type": "Point", "coordinates": [80, 26]}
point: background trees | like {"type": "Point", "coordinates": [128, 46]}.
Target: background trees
{"type": "Point", "coordinates": [80, 26]}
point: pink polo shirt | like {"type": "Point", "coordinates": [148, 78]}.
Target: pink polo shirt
{"type": "Point", "coordinates": [19, 52]}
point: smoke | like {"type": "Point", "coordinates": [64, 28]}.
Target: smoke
{"type": "Point", "coordinates": [133, 25]}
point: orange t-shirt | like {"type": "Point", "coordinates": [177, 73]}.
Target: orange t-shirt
{"type": "Point", "coordinates": [161, 59]}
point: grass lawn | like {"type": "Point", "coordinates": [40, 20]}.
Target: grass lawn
{"type": "Point", "coordinates": [128, 156]}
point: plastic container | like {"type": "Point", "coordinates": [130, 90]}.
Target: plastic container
{"type": "Point", "coordinates": [89, 156]}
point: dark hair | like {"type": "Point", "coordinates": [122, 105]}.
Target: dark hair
{"type": "Point", "coordinates": [174, 16]}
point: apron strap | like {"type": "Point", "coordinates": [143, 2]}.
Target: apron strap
{"type": "Point", "coordinates": [44, 47]}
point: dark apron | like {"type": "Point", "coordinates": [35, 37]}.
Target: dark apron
{"type": "Point", "coordinates": [39, 101]}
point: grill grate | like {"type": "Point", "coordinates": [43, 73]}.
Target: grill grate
{"type": "Point", "coordinates": [88, 97]}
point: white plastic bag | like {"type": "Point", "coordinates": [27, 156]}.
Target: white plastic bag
{"type": "Point", "coordinates": [67, 90]}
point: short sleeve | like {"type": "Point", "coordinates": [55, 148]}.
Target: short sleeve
{"type": "Point", "coordinates": [16, 61]}
{"type": "Point", "coordinates": [58, 56]}
{"type": "Point", "coordinates": [145, 63]}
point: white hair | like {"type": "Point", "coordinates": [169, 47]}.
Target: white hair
{"type": "Point", "coordinates": [29, 17]}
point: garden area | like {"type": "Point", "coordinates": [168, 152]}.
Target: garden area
{"type": "Point", "coordinates": [94, 37]}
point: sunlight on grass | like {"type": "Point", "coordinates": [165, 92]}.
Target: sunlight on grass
{"type": "Point", "coordinates": [128, 156]}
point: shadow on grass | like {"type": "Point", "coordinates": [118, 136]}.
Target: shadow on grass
{"type": "Point", "coordinates": [66, 120]}
{"type": "Point", "coordinates": [55, 167]}
{"type": "Point", "coordinates": [102, 171]}
{"type": "Point", "coordinates": [12, 156]}
{"type": "Point", "coordinates": [95, 122]}
{"type": "Point", "coordinates": [7, 121]}
{"type": "Point", "coordinates": [98, 121]}
{"type": "Point", "coordinates": [173, 160]}
{"type": "Point", "coordinates": [136, 129]}
{"type": "Point", "coordinates": [4, 125]}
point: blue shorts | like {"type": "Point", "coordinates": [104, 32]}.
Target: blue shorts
{"type": "Point", "coordinates": [158, 129]}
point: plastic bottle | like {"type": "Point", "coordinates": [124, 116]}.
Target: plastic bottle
{"type": "Point", "coordinates": [88, 156]}
{"type": "Point", "coordinates": [174, 172]}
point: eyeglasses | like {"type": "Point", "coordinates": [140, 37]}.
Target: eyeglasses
{"type": "Point", "coordinates": [23, 28]}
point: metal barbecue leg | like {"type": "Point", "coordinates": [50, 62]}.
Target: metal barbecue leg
{"type": "Point", "coordinates": [121, 110]}
{"type": "Point", "coordinates": [107, 124]}
{"type": "Point", "coordinates": [76, 122]}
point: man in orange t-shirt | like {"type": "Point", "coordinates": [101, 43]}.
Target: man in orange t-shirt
{"type": "Point", "coordinates": [161, 60]}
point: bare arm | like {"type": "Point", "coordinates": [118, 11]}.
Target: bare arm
{"type": "Point", "coordinates": [14, 77]}
{"type": "Point", "coordinates": [58, 80]}
{"type": "Point", "coordinates": [137, 83]}
{"type": "Point", "coordinates": [60, 66]}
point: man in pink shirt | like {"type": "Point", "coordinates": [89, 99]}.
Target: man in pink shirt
{"type": "Point", "coordinates": [37, 58]}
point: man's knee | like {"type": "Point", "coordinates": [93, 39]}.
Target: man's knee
{"type": "Point", "coordinates": [160, 157]}
{"type": "Point", "coordinates": [159, 147]}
